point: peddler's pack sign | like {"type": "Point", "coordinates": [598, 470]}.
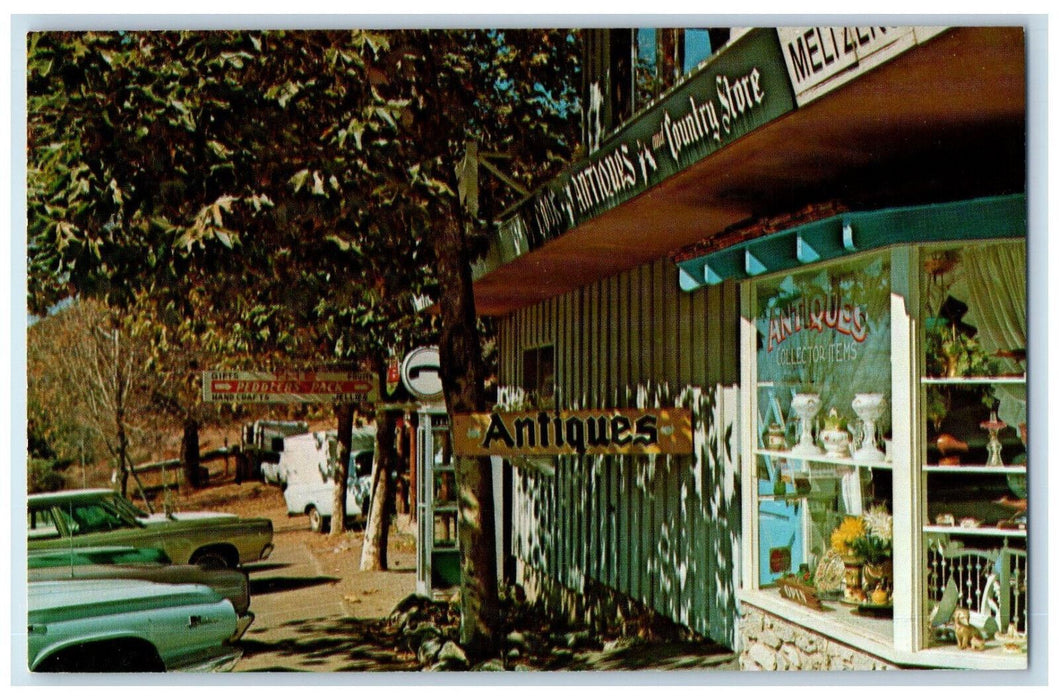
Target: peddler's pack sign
{"type": "Point", "coordinates": [289, 386]}
{"type": "Point", "coordinates": [604, 431]}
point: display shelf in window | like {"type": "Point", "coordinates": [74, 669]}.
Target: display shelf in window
{"type": "Point", "coordinates": [975, 531]}
{"type": "Point", "coordinates": [824, 459]}
{"type": "Point", "coordinates": [975, 469]}
{"type": "Point", "coordinates": [1006, 379]}
{"type": "Point", "coordinates": [975, 447]}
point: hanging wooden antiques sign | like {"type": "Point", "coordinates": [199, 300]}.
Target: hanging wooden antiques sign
{"type": "Point", "coordinates": [603, 431]}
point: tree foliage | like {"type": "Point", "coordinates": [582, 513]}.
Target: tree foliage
{"type": "Point", "coordinates": [93, 380]}
{"type": "Point", "coordinates": [218, 169]}
{"type": "Point", "coordinates": [283, 197]}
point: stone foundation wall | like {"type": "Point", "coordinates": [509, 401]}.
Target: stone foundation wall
{"type": "Point", "coordinates": [770, 643]}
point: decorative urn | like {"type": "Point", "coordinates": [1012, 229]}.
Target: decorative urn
{"type": "Point", "coordinates": [806, 406]}
{"type": "Point", "coordinates": [869, 408]}
{"type": "Point", "coordinates": [834, 436]}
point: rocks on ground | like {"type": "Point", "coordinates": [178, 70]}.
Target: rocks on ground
{"type": "Point", "coordinates": [530, 641]}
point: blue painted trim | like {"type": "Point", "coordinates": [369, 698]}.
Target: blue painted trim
{"type": "Point", "coordinates": [827, 239]}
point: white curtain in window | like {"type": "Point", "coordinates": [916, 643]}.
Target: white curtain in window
{"type": "Point", "coordinates": [995, 276]}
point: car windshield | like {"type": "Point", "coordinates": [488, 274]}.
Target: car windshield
{"type": "Point", "coordinates": [85, 518]}
{"type": "Point", "coordinates": [124, 505]}
{"type": "Point", "coordinates": [40, 525]}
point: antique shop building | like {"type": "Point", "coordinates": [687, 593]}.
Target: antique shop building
{"type": "Point", "coordinates": [804, 262]}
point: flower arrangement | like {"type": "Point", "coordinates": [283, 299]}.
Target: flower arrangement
{"type": "Point", "coordinates": [868, 537]}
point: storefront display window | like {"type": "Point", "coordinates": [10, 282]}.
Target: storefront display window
{"type": "Point", "coordinates": [822, 429]}
{"type": "Point", "coordinates": [889, 450]}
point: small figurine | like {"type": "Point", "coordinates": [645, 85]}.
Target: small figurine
{"type": "Point", "coordinates": [950, 449]}
{"type": "Point", "coordinates": [993, 426]}
{"type": "Point", "coordinates": [967, 635]}
{"type": "Point", "coordinates": [776, 437]}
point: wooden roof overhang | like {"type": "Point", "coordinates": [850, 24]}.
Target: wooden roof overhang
{"type": "Point", "coordinates": [946, 120]}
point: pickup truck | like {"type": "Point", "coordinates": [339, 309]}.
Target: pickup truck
{"type": "Point", "coordinates": [63, 520]}
{"type": "Point", "coordinates": [121, 625]}
{"type": "Point", "coordinates": [142, 565]}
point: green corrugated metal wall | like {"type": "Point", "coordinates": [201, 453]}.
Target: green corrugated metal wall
{"type": "Point", "coordinates": [662, 530]}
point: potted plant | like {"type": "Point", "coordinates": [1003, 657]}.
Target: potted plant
{"type": "Point", "coordinates": [865, 544]}
{"type": "Point", "coordinates": [953, 352]}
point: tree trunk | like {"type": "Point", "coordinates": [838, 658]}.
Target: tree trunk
{"type": "Point", "coordinates": [123, 461]}
{"type": "Point", "coordinates": [189, 453]}
{"type": "Point", "coordinates": [462, 376]}
{"type": "Point", "coordinates": [344, 414]}
{"type": "Point", "coordinates": [383, 495]}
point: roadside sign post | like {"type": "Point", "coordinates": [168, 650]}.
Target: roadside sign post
{"type": "Point", "coordinates": [226, 386]}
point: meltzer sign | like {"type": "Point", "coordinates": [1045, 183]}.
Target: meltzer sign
{"type": "Point", "coordinates": [605, 431]}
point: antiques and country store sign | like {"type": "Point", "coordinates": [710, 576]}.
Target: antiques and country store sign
{"type": "Point", "coordinates": [604, 431]}
{"type": "Point", "coordinates": [744, 88]}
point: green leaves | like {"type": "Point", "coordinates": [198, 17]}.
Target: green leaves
{"type": "Point", "coordinates": [209, 224]}
{"type": "Point", "coordinates": [279, 188]}
{"type": "Point", "coordinates": [283, 93]}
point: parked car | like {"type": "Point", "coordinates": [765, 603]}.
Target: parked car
{"type": "Point", "coordinates": [310, 482]}
{"type": "Point", "coordinates": [112, 554]}
{"type": "Point", "coordinates": [145, 517]}
{"type": "Point", "coordinates": [63, 520]}
{"type": "Point", "coordinates": [121, 625]}
{"type": "Point", "coordinates": [233, 585]}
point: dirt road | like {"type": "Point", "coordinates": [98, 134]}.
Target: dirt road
{"type": "Point", "coordinates": [317, 612]}
{"type": "Point", "coordinates": [314, 609]}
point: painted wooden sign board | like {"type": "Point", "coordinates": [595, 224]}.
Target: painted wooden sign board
{"type": "Point", "coordinates": [820, 59]}
{"type": "Point", "coordinates": [745, 87]}
{"type": "Point", "coordinates": [604, 431]}
{"type": "Point", "coordinates": [289, 387]}
{"type": "Point", "coordinates": [798, 592]}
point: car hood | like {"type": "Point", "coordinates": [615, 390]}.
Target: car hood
{"type": "Point", "coordinates": [185, 515]}
{"type": "Point", "coordinates": [79, 556]}
{"type": "Point", "coordinates": [53, 601]}
{"type": "Point", "coordinates": [231, 584]}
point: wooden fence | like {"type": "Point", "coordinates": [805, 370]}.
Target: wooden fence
{"type": "Point", "coordinates": [155, 477]}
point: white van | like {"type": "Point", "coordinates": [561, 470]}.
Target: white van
{"type": "Point", "coordinates": [296, 453]}
{"type": "Point", "coordinates": [309, 484]}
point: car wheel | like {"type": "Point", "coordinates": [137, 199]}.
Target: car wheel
{"type": "Point", "coordinates": [116, 656]}
{"type": "Point", "coordinates": [212, 559]}
{"type": "Point", "coordinates": [316, 521]}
